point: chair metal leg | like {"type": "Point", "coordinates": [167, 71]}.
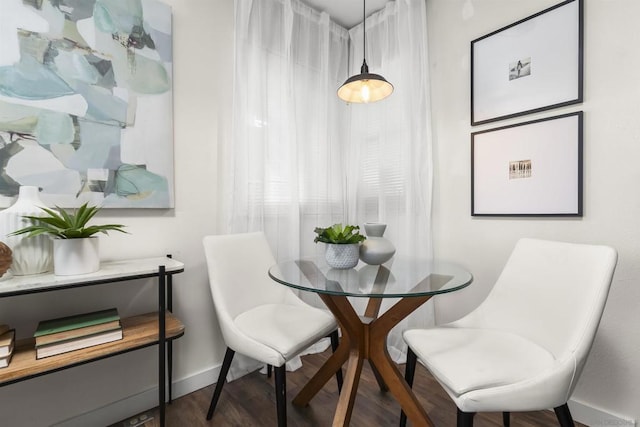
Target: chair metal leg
{"type": "Point", "coordinates": [506, 419]}
{"type": "Point", "coordinates": [281, 395]}
{"type": "Point", "coordinates": [409, 373]}
{"type": "Point", "coordinates": [335, 341]}
{"type": "Point", "coordinates": [381, 384]}
{"type": "Point", "coordinates": [564, 416]}
{"type": "Point", "coordinates": [228, 357]}
{"type": "Point", "coordinates": [465, 419]}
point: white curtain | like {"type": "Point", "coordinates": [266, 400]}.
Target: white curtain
{"type": "Point", "coordinates": [301, 158]}
{"type": "Point", "coordinates": [390, 141]}
{"type": "Point", "coordinates": [286, 154]}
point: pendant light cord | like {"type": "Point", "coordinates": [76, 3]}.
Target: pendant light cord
{"type": "Point", "coordinates": [364, 28]}
{"type": "Point", "coordinates": [365, 68]}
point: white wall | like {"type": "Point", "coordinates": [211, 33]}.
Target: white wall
{"type": "Point", "coordinates": [611, 379]}
{"type": "Point", "coordinates": [203, 70]}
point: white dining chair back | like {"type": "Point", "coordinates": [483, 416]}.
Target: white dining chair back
{"type": "Point", "coordinates": [551, 293]}
{"type": "Point", "coordinates": [524, 347]}
{"type": "Point", "coordinates": [257, 316]}
{"type": "Point", "coordinates": [237, 265]}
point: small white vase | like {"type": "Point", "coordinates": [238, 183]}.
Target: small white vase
{"type": "Point", "coordinates": [342, 256]}
{"type": "Point", "coordinates": [31, 255]}
{"type": "Point", "coordinates": [76, 256]}
{"type": "Point", "coordinates": [376, 249]}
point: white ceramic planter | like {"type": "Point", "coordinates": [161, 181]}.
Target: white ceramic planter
{"type": "Point", "coordinates": [76, 256]}
{"type": "Point", "coordinates": [342, 256]}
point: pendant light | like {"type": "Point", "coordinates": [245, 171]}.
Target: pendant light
{"type": "Point", "coordinates": [365, 87]}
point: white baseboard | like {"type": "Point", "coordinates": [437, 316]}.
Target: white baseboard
{"type": "Point", "coordinates": [594, 417]}
{"type": "Point", "coordinates": [140, 402]}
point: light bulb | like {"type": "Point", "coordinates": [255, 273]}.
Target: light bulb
{"type": "Point", "coordinates": [366, 95]}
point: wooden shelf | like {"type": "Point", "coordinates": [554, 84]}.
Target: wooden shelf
{"type": "Point", "coordinates": [138, 332]}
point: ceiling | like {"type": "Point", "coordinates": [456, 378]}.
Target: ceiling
{"type": "Point", "coordinates": [346, 13]}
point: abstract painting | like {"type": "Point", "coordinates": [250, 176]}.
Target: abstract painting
{"type": "Point", "coordinates": [86, 102]}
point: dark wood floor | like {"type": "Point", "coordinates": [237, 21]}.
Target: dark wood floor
{"type": "Point", "coordinates": [250, 401]}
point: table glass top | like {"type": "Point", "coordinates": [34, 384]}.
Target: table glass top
{"type": "Point", "coordinates": [399, 277]}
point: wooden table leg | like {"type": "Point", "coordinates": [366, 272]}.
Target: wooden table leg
{"type": "Point", "coordinates": [349, 322]}
{"type": "Point", "coordinates": [349, 391]}
{"type": "Point", "coordinates": [379, 357]}
{"type": "Point", "coordinates": [324, 374]}
{"type": "Point", "coordinates": [372, 311]}
{"type": "Point", "coordinates": [353, 340]}
{"type": "Point", "coordinates": [360, 341]}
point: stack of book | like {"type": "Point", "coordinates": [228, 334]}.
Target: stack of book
{"type": "Point", "coordinates": [56, 336]}
{"type": "Point", "coordinates": [7, 340]}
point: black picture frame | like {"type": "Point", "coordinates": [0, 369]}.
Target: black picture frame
{"type": "Point", "coordinates": [532, 65]}
{"type": "Point", "coordinates": [529, 169]}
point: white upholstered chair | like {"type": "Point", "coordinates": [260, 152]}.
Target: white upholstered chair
{"type": "Point", "coordinates": [523, 348]}
{"type": "Point", "coordinates": [258, 317]}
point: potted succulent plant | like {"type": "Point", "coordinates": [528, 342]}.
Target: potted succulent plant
{"type": "Point", "coordinates": [343, 244]}
{"type": "Point", "coordinates": [75, 248]}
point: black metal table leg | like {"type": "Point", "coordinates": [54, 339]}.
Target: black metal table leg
{"type": "Point", "coordinates": [170, 342]}
{"type": "Point", "coordinates": [161, 342]}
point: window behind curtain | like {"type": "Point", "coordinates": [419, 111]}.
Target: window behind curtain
{"type": "Point", "coordinates": [301, 158]}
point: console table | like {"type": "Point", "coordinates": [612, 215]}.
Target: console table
{"type": "Point", "coordinates": [156, 328]}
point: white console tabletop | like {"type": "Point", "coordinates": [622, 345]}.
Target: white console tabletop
{"type": "Point", "coordinates": [110, 271]}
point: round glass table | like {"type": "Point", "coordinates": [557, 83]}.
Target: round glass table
{"type": "Point", "coordinates": [412, 281]}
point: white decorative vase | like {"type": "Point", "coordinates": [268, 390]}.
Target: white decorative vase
{"type": "Point", "coordinates": [342, 256]}
{"type": "Point", "coordinates": [31, 255]}
{"type": "Point", "coordinates": [76, 256]}
{"type": "Point", "coordinates": [376, 249]}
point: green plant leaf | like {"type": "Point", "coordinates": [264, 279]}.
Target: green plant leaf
{"type": "Point", "coordinates": [338, 234]}
{"type": "Point", "coordinates": [66, 218]}
{"type": "Point", "coordinates": [84, 214]}
{"type": "Point", "coordinates": [65, 225]}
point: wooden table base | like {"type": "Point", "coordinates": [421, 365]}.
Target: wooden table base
{"type": "Point", "coordinates": [365, 338]}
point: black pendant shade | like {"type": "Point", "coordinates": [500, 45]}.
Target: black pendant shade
{"type": "Point", "coordinates": [365, 87]}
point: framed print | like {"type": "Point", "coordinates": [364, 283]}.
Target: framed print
{"type": "Point", "coordinates": [532, 65]}
{"type": "Point", "coordinates": [528, 169]}
{"type": "Point", "coordinates": [86, 102]}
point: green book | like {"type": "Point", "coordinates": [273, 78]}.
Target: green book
{"type": "Point", "coordinates": [68, 323]}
